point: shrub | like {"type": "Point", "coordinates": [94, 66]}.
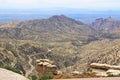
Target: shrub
{"type": "Point", "coordinates": [33, 77]}
{"type": "Point", "coordinates": [49, 76]}
{"type": "Point", "coordinates": [111, 75]}
{"type": "Point", "coordinates": [12, 69]}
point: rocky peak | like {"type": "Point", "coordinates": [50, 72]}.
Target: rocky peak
{"type": "Point", "coordinates": [58, 17]}
{"type": "Point", "coordinates": [98, 22]}
{"type": "Point", "coordinates": [109, 19]}
{"type": "Point", "coordinates": [106, 24]}
{"type": "Point", "coordinates": [63, 18]}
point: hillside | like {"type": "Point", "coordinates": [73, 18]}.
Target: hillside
{"type": "Point", "coordinates": [101, 51]}
{"type": "Point", "coordinates": [109, 27]}
{"type": "Point", "coordinates": [55, 28]}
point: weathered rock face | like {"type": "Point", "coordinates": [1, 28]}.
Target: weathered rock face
{"type": "Point", "coordinates": [104, 66]}
{"type": "Point", "coordinates": [9, 75]}
{"type": "Point", "coordinates": [105, 69]}
{"type": "Point", "coordinates": [105, 24]}
{"type": "Point", "coordinates": [45, 67]}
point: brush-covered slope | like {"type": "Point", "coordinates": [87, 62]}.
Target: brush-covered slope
{"type": "Point", "coordinates": [55, 28]}
{"type": "Point", "coordinates": [102, 51]}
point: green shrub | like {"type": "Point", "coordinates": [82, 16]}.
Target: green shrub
{"type": "Point", "coordinates": [49, 76]}
{"type": "Point", "coordinates": [111, 75]}
{"type": "Point", "coordinates": [12, 69]}
{"type": "Point", "coordinates": [33, 77]}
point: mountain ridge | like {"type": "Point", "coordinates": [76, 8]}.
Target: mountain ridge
{"type": "Point", "coordinates": [106, 24]}
{"type": "Point", "coordinates": [57, 27]}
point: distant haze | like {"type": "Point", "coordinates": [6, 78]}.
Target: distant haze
{"type": "Point", "coordinates": [85, 10]}
{"type": "Point", "coordinates": [43, 4]}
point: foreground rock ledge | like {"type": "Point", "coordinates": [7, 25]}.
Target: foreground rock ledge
{"type": "Point", "coordinates": [104, 70]}
{"type": "Point", "coordinates": [104, 66]}
{"type": "Point", "coordinates": [9, 75]}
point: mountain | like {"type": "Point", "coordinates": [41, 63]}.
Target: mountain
{"type": "Point", "coordinates": [55, 38]}
{"type": "Point", "coordinates": [110, 27]}
{"type": "Point", "coordinates": [55, 28]}
{"type": "Point", "coordinates": [71, 44]}
{"type": "Point", "coordinates": [105, 24]}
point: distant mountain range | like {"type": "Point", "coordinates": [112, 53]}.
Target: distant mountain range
{"type": "Point", "coordinates": [60, 28]}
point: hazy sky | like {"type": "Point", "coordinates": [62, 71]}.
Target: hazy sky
{"type": "Point", "coordinates": [82, 4]}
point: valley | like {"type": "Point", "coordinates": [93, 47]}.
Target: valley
{"type": "Point", "coordinates": [71, 44]}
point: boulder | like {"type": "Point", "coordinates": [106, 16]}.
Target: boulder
{"type": "Point", "coordinates": [45, 67]}
{"type": "Point", "coordinates": [58, 72]}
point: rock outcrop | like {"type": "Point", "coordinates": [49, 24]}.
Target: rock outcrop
{"type": "Point", "coordinates": [108, 27]}
{"type": "Point", "coordinates": [105, 24]}
{"type": "Point", "coordinates": [45, 67]}
{"type": "Point", "coordinates": [9, 75]}
{"type": "Point", "coordinates": [105, 69]}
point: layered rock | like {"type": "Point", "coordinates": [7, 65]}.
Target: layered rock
{"type": "Point", "coordinates": [104, 66]}
{"type": "Point", "coordinates": [45, 67]}
{"type": "Point", "coordinates": [105, 69]}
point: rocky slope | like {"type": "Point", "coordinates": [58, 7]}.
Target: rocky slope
{"type": "Point", "coordinates": [102, 24]}
{"type": "Point", "coordinates": [109, 27]}
{"type": "Point", "coordinates": [55, 28]}
{"type": "Point", "coordinates": [102, 51]}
